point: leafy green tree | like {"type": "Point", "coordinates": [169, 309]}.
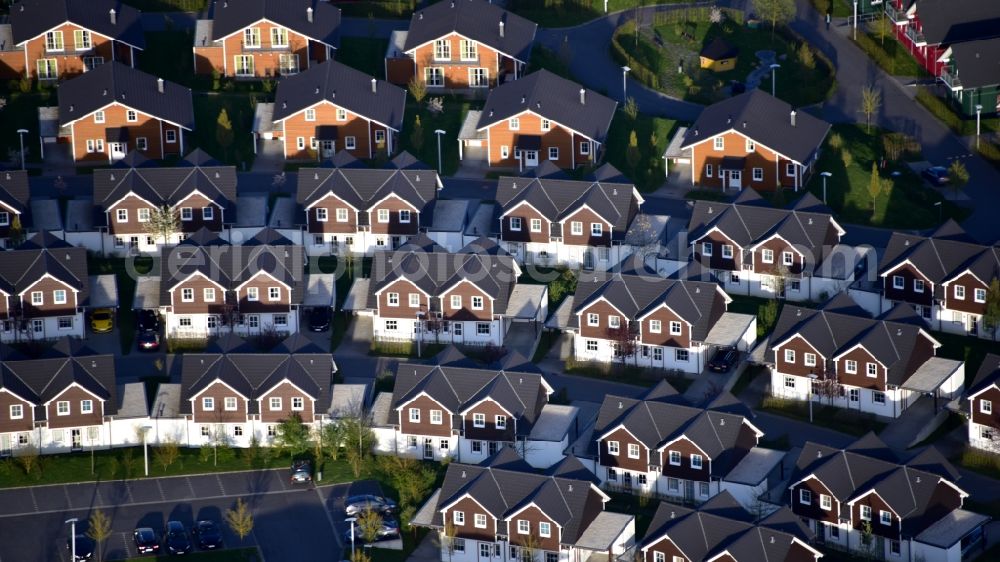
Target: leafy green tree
{"type": "Point", "coordinates": [871, 101]}
{"type": "Point", "coordinates": [224, 131]}
{"type": "Point", "coordinates": [958, 176]}
{"type": "Point", "coordinates": [99, 529]}
{"type": "Point", "coordinates": [631, 108]}
{"type": "Point", "coordinates": [775, 11]}
{"type": "Point", "coordinates": [806, 56]}
{"type": "Point", "coordinates": [632, 152]}
{"type": "Point", "coordinates": [369, 524]}
{"type": "Point", "coordinates": [874, 186]}
{"type": "Point", "coordinates": [292, 436]}
{"type": "Point", "coordinates": [162, 223]}
{"type": "Point", "coordinates": [418, 89]}
{"type": "Point", "coordinates": [417, 135]}
{"type": "Point", "coordinates": [16, 233]}
{"type": "Point", "coordinates": [991, 316]}
{"type": "Point", "coordinates": [240, 519]}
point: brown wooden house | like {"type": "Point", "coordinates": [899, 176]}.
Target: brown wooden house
{"type": "Point", "coordinates": [984, 405]}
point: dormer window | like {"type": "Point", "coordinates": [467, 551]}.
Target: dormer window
{"type": "Point", "coordinates": [719, 143]}
{"type": "Point", "coordinates": [98, 117]}
{"type": "Point", "coordinates": [468, 50]}
{"type": "Point", "coordinates": [279, 37]}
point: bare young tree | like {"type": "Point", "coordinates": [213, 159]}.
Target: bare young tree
{"type": "Point", "coordinates": [162, 223]}
{"type": "Point", "coordinates": [623, 341]}
{"type": "Point", "coordinates": [643, 238]}
{"type": "Point", "coordinates": [871, 101]}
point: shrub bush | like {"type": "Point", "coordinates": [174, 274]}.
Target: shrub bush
{"type": "Point", "coordinates": [939, 108]}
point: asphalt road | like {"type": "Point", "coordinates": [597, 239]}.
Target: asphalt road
{"type": "Point", "coordinates": [32, 519]}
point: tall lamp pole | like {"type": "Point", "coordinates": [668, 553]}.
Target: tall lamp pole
{"type": "Point", "coordinates": [979, 111]}
{"type": "Point", "coordinates": [774, 72]}
{"type": "Point", "coordinates": [72, 538]}
{"type": "Point", "coordinates": [825, 175]}
{"type": "Point", "coordinates": [625, 71]}
{"type": "Point", "coordinates": [439, 132]}
{"type": "Point", "coordinates": [855, 20]}
{"type": "Point", "coordinates": [351, 520]}
{"type": "Point", "coordinates": [812, 377]}
{"type": "Point", "coordinates": [145, 447]}
{"type": "Point", "coordinates": [20, 134]}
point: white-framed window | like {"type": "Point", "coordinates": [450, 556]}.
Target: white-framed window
{"type": "Point", "coordinates": [986, 406]}
{"type": "Point", "coordinates": [545, 529]}
{"type": "Point", "coordinates": [479, 520]}
{"type": "Point", "coordinates": [65, 322]}
{"type": "Point", "coordinates": [758, 174]}
{"type": "Point", "coordinates": [895, 549]}
{"type": "Point", "coordinates": [504, 151]}
{"type": "Point", "coordinates": [614, 321]}
{"type": "Point", "coordinates": [633, 451]}
{"type": "Point", "coordinates": [546, 125]}
{"type": "Point", "coordinates": [16, 411]}
{"type": "Point", "coordinates": [878, 397]}
{"type": "Point", "coordinates": [143, 214]}
{"type": "Point", "coordinates": [171, 136]}
{"type": "Point", "coordinates": [696, 461]}
{"type": "Point", "coordinates": [383, 215]}
{"type": "Point", "coordinates": [593, 319]}
{"type": "Point", "coordinates": [54, 41]}
{"type": "Point", "coordinates": [434, 76]}
{"type": "Point", "coordinates": [482, 328]}
{"type": "Point", "coordinates": [340, 212]}
{"type": "Point", "coordinates": [805, 496]}
{"type": "Point", "coordinates": [456, 302]}
{"type": "Point", "coordinates": [59, 296]}
{"type": "Point", "coordinates": [825, 502]}
{"type": "Point", "coordinates": [208, 404]}
{"type": "Point", "coordinates": [787, 258]}
{"type": "Point", "coordinates": [404, 216]}
{"type": "Point", "coordinates": [897, 282]}
{"type": "Point", "coordinates": [866, 513]}
{"type": "Point", "coordinates": [414, 300]}
{"type": "Point", "coordinates": [553, 153]}
{"type": "Point", "coordinates": [322, 214]}
{"type": "Point", "coordinates": [99, 116]}
{"type": "Point", "coordinates": [809, 359]}
{"type": "Point", "coordinates": [86, 406]}
{"type": "Point", "coordinates": [655, 326]}
{"type": "Point", "coordinates": [131, 116]}
{"type": "Point", "coordinates": [251, 37]}
{"type": "Point", "coordinates": [48, 69]}
{"type": "Point", "coordinates": [208, 213]}
{"type": "Point", "coordinates": [62, 408]}
{"type": "Point", "coordinates": [789, 382]}
{"type": "Point", "coordinates": [436, 417]}
{"type": "Point", "coordinates": [415, 415]}
{"type": "Point", "coordinates": [281, 320]}
{"type": "Point", "coordinates": [790, 356]}
{"type": "Point", "coordinates": [458, 517]}
{"type": "Point", "coordinates": [379, 136]}
{"type": "Point", "coordinates": [523, 527]}
{"type": "Point", "coordinates": [350, 143]}
{"type": "Point", "coordinates": [706, 248]}
{"type": "Point", "coordinates": [674, 458]}
{"type": "Point", "coordinates": [918, 285]}
{"type": "Point", "coordinates": [479, 420]}
{"type": "Point", "coordinates": [613, 448]}
{"type": "Point", "coordinates": [279, 37]}
{"type": "Point", "coordinates": [253, 294]}
{"type": "Point", "coordinates": [851, 367]}
{"type": "Point", "coordinates": [184, 322]}
{"type": "Point", "coordinates": [871, 369]}
{"type": "Point", "coordinates": [676, 328]}
{"type": "Point", "coordinates": [585, 148]}
{"type": "Point", "coordinates": [310, 114]}
{"type": "Point", "coordinates": [727, 251]}
{"type": "Point", "coordinates": [392, 299]}
{"type": "Point", "coordinates": [121, 215]}
{"type": "Point", "coordinates": [229, 403]}
{"type": "Point", "coordinates": [767, 256]}
{"type": "Point", "coordinates": [596, 229]}
{"type": "Point", "coordinates": [790, 170]}
{"type": "Point", "coordinates": [673, 485]}
{"type": "Point", "coordinates": [274, 403]}
{"type": "Point", "coordinates": [141, 144]}
{"type": "Point", "coordinates": [884, 517]}
{"type": "Point", "coordinates": [243, 65]}
{"type": "Point", "coordinates": [81, 40]}
{"type": "Point", "coordinates": [187, 214]}
{"type": "Point", "coordinates": [960, 292]}
{"type": "Point", "coordinates": [442, 49]}
{"type": "Point", "coordinates": [37, 298]}
{"type": "Point", "coordinates": [515, 224]}
{"type": "Point", "coordinates": [514, 124]}
{"type": "Point", "coordinates": [576, 228]}
{"type": "Point", "coordinates": [187, 294]}
{"type": "Point", "coordinates": [719, 143]}
{"type": "Point", "coordinates": [341, 114]}
{"type": "Point", "coordinates": [477, 303]}
{"type": "Point", "coordinates": [708, 170]}
{"type": "Point", "coordinates": [536, 225]}
{"type": "Point", "coordinates": [750, 145]}
{"type": "Point", "coordinates": [467, 50]}
{"type": "Point", "coordinates": [274, 293]}
{"type": "Point", "coordinates": [979, 295]}
{"type": "Point", "coordinates": [391, 325]}
{"type": "Point", "coordinates": [501, 422]}
{"type": "Point", "coordinates": [479, 77]}
{"type": "Point", "coordinates": [681, 355]}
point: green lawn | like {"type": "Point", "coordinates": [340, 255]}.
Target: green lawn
{"type": "Point", "coordinates": [378, 8]}
{"type": "Point", "coordinates": [839, 8]}
{"type": "Point", "coordinates": [124, 273]}
{"type": "Point", "coordinates": [240, 108]}
{"type": "Point", "coordinates": [364, 53]}
{"type": "Point", "coordinates": [971, 350]}
{"type": "Point", "coordinates": [555, 62]}
{"type": "Point", "coordinates": [565, 13]}
{"type": "Point", "coordinates": [657, 52]}
{"type": "Point", "coordinates": [21, 112]}
{"type": "Point", "coordinates": [449, 120]}
{"type": "Point", "coordinates": [627, 374]}
{"type": "Point", "coordinates": [909, 204]}
{"type": "Point", "coordinates": [648, 171]}
{"type": "Point", "coordinates": [944, 110]}
{"type": "Point", "coordinates": [168, 5]}
{"type": "Point", "coordinates": [890, 54]}
{"type": "Point", "coordinates": [227, 555]}
{"type": "Point", "coordinates": [832, 417]}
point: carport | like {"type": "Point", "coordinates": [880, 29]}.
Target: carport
{"type": "Point", "coordinates": [103, 291]}
{"type": "Point", "coordinates": [470, 139]}
{"type": "Point", "coordinates": [733, 330]}
{"type": "Point", "coordinates": [147, 293]}
{"type": "Point", "coordinates": [560, 319]}
{"type": "Point", "coordinates": [321, 290]}
{"type": "Point", "coordinates": [526, 307]}
{"type": "Point", "coordinates": [607, 537]}
{"type": "Point", "coordinates": [939, 378]}
{"type": "Point", "coordinates": [357, 296]}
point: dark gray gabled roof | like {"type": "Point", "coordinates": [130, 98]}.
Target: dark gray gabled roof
{"type": "Point", "coordinates": [41, 380]}
{"type": "Point", "coordinates": [475, 19]}
{"type": "Point", "coordinates": [661, 416]}
{"type": "Point", "coordinates": [764, 119]}
{"type": "Point", "coordinates": [869, 465]}
{"type": "Point", "coordinates": [507, 487]}
{"type": "Point", "coordinates": [837, 327]}
{"type": "Point", "coordinates": [114, 82]}
{"type": "Point", "coordinates": [978, 62]}
{"type": "Point", "coordinates": [458, 386]}
{"type": "Point", "coordinates": [987, 375]}
{"type": "Point", "coordinates": [342, 86]}
{"type": "Point", "coordinates": [750, 220]}
{"type": "Point", "coordinates": [700, 303]}
{"type": "Point", "coordinates": [232, 16]}
{"type": "Point", "coordinates": [722, 525]}
{"type": "Point", "coordinates": [554, 98]}
{"type": "Point", "coordinates": [31, 18]}
{"type": "Point", "coordinates": [169, 185]}
{"type": "Point", "coordinates": [254, 374]}
{"type": "Point", "coordinates": [945, 254]}
{"type": "Point", "coordinates": [361, 187]}
{"type": "Point", "coordinates": [14, 191]}
{"type": "Point", "coordinates": [954, 21]}
{"type": "Point", "coordinates": [44, 254]}
{"type": "Point", "coordinates": [557, 199]}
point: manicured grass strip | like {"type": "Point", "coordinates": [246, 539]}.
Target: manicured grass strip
{"type": "Point", "coordinates": [652, 136]}
{"type": "Point", "coordinates": [168, 5]}
{"type": "Point", "coordinates": [450, 121]}
{"type": "Point", "coordinates": [227, 555]}
{"type": "Point", "coordinates": [890, 55]}
{"type": "Point", "coordinates": [831, 417]}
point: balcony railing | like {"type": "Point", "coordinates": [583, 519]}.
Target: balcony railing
{"type": "Point", "coordinates": [916, 37]}
{"type": "Point", "coordinates": [895, 14]}
{"type": "Point", "coordinates": [951, 79]}
{"type": "Point", "coordinates": [262, 48]}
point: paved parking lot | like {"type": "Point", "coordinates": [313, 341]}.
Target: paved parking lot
{"type": "Point", "coordinates": [290, 523]}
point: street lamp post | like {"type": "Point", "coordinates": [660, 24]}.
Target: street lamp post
{"type": "Point", "coordinates": [774, 72]}
{"type": "Point", "coordinates": [351, 520]}
{"type": "Point", "coordinates": [855, 20]}
{"type": "Point", "coordinates": [20, 134]}
{"type": "Point", "coordinates": [145, 447]}
{"type": "Point", "coordinates": [625, 71]}
{"type": "Point", "coordinates": [812, 377]}
{"type": "Point", "coordinates": [825, 175]}
{"type": "Point", "coordinates": [72, 538]}
{"type": "Point", "coordinates": [439, 132]}
{"type": "Point", "coordinates": [979, 111]}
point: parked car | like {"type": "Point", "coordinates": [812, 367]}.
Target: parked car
{"type": "Point", "coordinates": [724, 359]}
{"type": "Point", "coordinates": [148, 320]}
{"type": "Point", "coordinates": [936, 175]}
{"type": "Point", "coordinates": [148, 341]}
{"type": "Point", "coordinates": [319, 319]}
{"type": "Point", "coordinates": [388, 531]}
{"type": "Point", "coordinates": [84, 547]}
{"type": "Point", "coordinates": [146, 541]}
{"type": "Point", "coordinates": [102, 320]}
{"type": "Point", "coordinates": [356, 504]}
{"type": "Point", "coordinates": [176, 538]}
{"type": "Point", "coordinates": [301, 472]}
{"type": "Point", "coordinates": [207, 535]}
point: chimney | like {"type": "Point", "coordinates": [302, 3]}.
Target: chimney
{"type": "Point", "coordinates": [583, 96]}
{"type": "Point", "coordinates": [374, 87]}
{"type": "Point", "coordinates": [309, 14]}
{"type": "Point", "coordinates": [793, 117]}
{"type": "Point", "coordinates": [501, 29]}
{"type": "Point", "coordinates": [159, 85]}
{"type": "Point", "coordinates": [114, 16]}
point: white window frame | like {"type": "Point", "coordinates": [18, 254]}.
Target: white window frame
{"type": "Point", "coordinates": [274, 294]}
{"type": "Point", "coordinates": [434, 76]}
{"type": "Point", "coordinates": [253, 294]}
{"type": "Point", "coordinates": [54, 42]}
{"type": "Point", "coordinates": [274, 404]}
{"type": "Point", "coordinates": [805, 496]}
{"type": "Point", "coordinates": [187, 214]}
{"type": "Point", "coordinates": [230, 404]}
{"type": "Point", "coordinates": [62, 408]}
{"type": "Point", "coordinates": [825, 502]}
{"type": "Point", "coordinates": [986, 406]}
{"type": "Point", "coordinates": [47, 68]}
{"type": "Point", "coordinates": [758, 174]}
{"type": "Point", "coordinates": [478, 420]}
{"type": "Point", "coordinates": [442, 50]}
{"type": "Point", "coordinates": [633, 451]}
{"type": "Point", "coordinates": [16, 411]}
{"type": "Point", "coordinates": [414, 415]}
{"type": "Point", "coordinates": [676, 328]}
{"type": "Point", "coordinates": [86, 406]}
{"type": "Point", "coordinates": [655, 326]}
{"type": "Point", "coordinates": [697, 462]}
{"type": "Point", "coordinates": [707, 249]}
{"type": "Point", "coordinates": [871, 369]}
{"type": "Point", "coordinates": [596, 229]}
{"type": "Point", "coordinates": [171, 136]}
{"type": "Point", "coordinates": [479, 520]}
{"type": "Point", "coordinates": [727, 251]}
{"type": "Point", "coordinates": [322, 215]}
{"type": "Point", "coordinates": [131, 116]}
{"type": "Point", "coordinates": [382, 215]}
{"type": "Point", "coordinates": [613, 448]}
{"type": "Point", "coordinates": [898, 282]}
{"type": "Point", "coordinates": [392, 299]}
{"type": "Point", "coordinates": [959, 292]}
{"type": "Point", "coordinates": [790, 356]}
{"type": "Point", "coordinates": [576, 228]}
{"type": "Point", "coordinates": [674, 458]}
{"type": "Point", "coordinates": [767, 256]}
{"type": "Point", "coordinates": [553, 153]}
{"type": "Point", "coordinates": [436, 417]}
{"type": "Point", "coordinates": [514, 124]}
{"type": "Point", "coordinates": [456, 302]}
{"type": "Point", "coordinates": [59, 296]}
{"type": "Point", "coordinates": [477, 303]}
{"type": "Point", "coordinates": [404, 216]}
{"type": "Point", "coordinates": [208, 213]}
{"type": "Point", "coordinates": [719, 143]}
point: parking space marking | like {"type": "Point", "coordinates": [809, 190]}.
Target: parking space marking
{"type": "Point", "coordinates": [187, 479]}
{"type": "Point", "coordinates": [160, 487]}
{"type": "Point", "coordinates": [66, 491]}
{"type": "Point", "coordinates": [221, 487]}
{"type": "Point", "coordinates": [34, 502]}
{"type": "Point", "coordinates": [125, 543]}
{"type": "Point", "coordinates": [326, 510]}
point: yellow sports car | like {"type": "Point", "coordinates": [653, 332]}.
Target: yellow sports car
{"type": "Point", "coordinates": [102, 320]}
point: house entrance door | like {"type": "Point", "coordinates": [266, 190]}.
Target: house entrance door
{"type": "Point", "coordinates": [530, 158]}
{"type": "Point", "coordinates": [76, 437]}
{"type": "Point", "coordinates": [428, 448]}
{"type": "Point", "coordinates": [326, 149]}
{"type": "Point", "coordinates": [735, 179]}
{"type": "Point", "coordinates": [117, 150]}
